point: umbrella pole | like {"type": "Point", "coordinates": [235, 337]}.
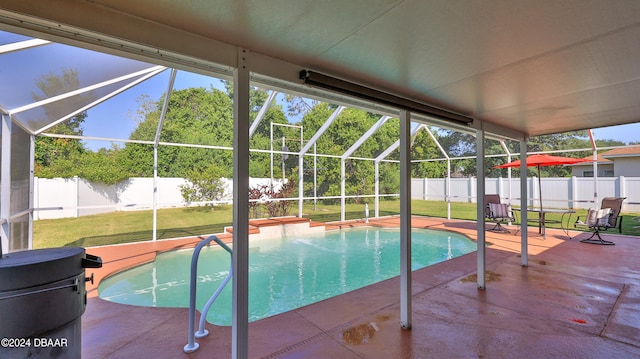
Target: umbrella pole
{"type": "Point", "coordinates": [539, 188]}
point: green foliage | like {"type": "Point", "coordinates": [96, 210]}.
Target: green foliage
{"type": "Point", "coordinates": [203, 185]}
{"type": "Point", "coordinates": [59, 157]}
{"type": "Point", "coordinates": [424, 148]}
{"type": "Point", "coordinates": [102, 166]}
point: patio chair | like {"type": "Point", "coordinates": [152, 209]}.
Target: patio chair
{"type": "Point", "coordinates": [497, 212]}
{"type": "Point", "coordinates": [608, 216]}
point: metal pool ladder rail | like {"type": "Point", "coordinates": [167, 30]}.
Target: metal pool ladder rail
{"type": "Point", "coordinates": [192, 346]}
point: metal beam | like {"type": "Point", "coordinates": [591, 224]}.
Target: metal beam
{"type": "Point", "coordinates": [396, 144]}
{"type": "Point", "coordinates": [17, 46]}
{"type": "Point", "coordinates": [5, 184]}
{"type": "Point", "coordinates": [100, 100]}
{"type": "Point", "coordinates": [365, 137]}
{"type": "Point", "coordinates": [263, 110]}
{"type": "Point", "coordinates": [240, 258]}
{"type": "Point", "coordinates": [306, 148]}
{"type": "Point", "coordinates": [349, 152]}
{"type": "Point", "coordinates": [524, 220]}
{"type": "Point", "coordinates": [480, 163]}
{"type": "Point", "coordinates": [405, 219]}
{"type": "Point", "coordinates": [381, 157]}
{"type": "Point", "coordinates": [448, 179]}
{"type": "Point", "coordinates": [156, 141]}
{"type": "Point", "coordinates": [322, 130]}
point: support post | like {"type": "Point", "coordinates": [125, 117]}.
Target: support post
{"type": "Point", "coordinates": [5, 184]}
{"type": "Point", "coordinates": [32, 164]}
{"type": "Point", "coordinates": [524, 235]}
{"type": "Point", "coordinates": [480, 164]}
{"type": "Point", "coordinates": [343, 179]}
{"type": "Point", "coordinates": [376, 210]}
{"type": "Point", "coordinates": [240, 258]}
{"type": "Point", "coordinates": [405, 219]}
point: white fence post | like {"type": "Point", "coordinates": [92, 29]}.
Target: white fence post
{"type": "Point", "coordinates": [76, 180]}
{"type": "Point", "coordinates": [424, 189]}
{"type": "Point", "coordinates": [572, 194]}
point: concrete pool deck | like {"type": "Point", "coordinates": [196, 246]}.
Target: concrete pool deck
{"type": "Point", "coordinates": [573, 300]}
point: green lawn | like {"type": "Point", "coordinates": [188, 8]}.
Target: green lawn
{"type": "Point", "coordinates": [132, 226]}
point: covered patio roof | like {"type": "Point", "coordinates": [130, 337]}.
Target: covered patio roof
{"type": "Point", "coordinates": [518, 69]}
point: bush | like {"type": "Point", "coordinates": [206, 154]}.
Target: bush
{"type": "Point", "coordinates": [205, 185]}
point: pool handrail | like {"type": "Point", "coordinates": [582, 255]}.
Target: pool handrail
{"type": "Point", "coordinates": [192, 346]}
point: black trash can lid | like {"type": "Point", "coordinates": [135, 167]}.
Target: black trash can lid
{"type": "Point", "coordinates": [31, 268]}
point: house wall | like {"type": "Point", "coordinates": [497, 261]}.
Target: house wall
{"type": "Point", "coordinates": [578, 170]}
{"type": "Point", "coordinates": [627, 166]}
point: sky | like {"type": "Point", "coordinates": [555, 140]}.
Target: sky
{"type": "Point", "coordinates": [113, 118]}
{"type": "Point", "coordinates": [624, 133]}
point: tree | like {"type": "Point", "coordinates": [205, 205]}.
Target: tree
{"type": "Point", "coordinates": [423, 148]}
{"type": "Point", "coordinates": [57, 157]}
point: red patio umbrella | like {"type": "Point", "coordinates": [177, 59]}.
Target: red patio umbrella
{"type": "Point", "coordinates": [543, 160]}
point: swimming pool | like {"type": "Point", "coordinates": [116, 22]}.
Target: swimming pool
{"type": "Point", "coordinates": [284, 273]}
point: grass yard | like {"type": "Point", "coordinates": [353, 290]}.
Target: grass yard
{"type": "Point", "coordinates": [133, 226]}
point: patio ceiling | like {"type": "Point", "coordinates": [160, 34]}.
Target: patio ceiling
{"type": "Point", "coordinates": [519, 68]}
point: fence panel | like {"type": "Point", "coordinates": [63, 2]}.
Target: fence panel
{"type": "Point", "coordinates": [59, 198]}
{"type": "Point", "coordinates": [94, 198]}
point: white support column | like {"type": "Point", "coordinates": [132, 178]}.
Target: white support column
{"type": "Point", "coordinates": [377, 189]}
{"type": "Point", "coordinates": [448, 189]}
{"type": "Point", "coordinates": [154, 223]}
{"type": "Point", "coordinates": [524, 235]}
{"type": "Point", "coordinates": [480, 164]}
{"type": "Point", "coordinates": [405, 219]}
{"type": "Point", "coordinates": [5, 184]}
{"type": "Point", "coordinates": [240, 257]}
{"type": "Point", "coordinates": [32, 164]}
{"type": "Point", "coordinates": [343, 191]}
{"type": "Point", "coordinates": [300, 185]}
{"type": "Point", "coordinates": [271, 152]}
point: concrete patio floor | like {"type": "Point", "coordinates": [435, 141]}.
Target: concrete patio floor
{"type": "Point", "coordinates": [574, 300]}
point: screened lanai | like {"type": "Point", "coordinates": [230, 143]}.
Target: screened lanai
{"type": "Point", "coordinates": [502, 83]}
{"type": "Point", "coordinates": [61, 90]}
{"type": "Point", "coordinates": [58, 82]}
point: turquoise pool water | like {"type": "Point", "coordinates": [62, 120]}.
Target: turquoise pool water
{"type": "Point", "coordinates": [284, 273]}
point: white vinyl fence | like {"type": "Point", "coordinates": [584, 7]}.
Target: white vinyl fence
{"type": "Point", "coordinates": [75, 197]}
{"type": "Point", "coordinates": [60, 198]}
{"type": "Point", "coordinates": [573, 192]}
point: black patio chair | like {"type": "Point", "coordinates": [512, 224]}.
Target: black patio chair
{"type": "Point", "coordinates": [608, 216]}
{"type": "Point", "coordinates": [497, 212]}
